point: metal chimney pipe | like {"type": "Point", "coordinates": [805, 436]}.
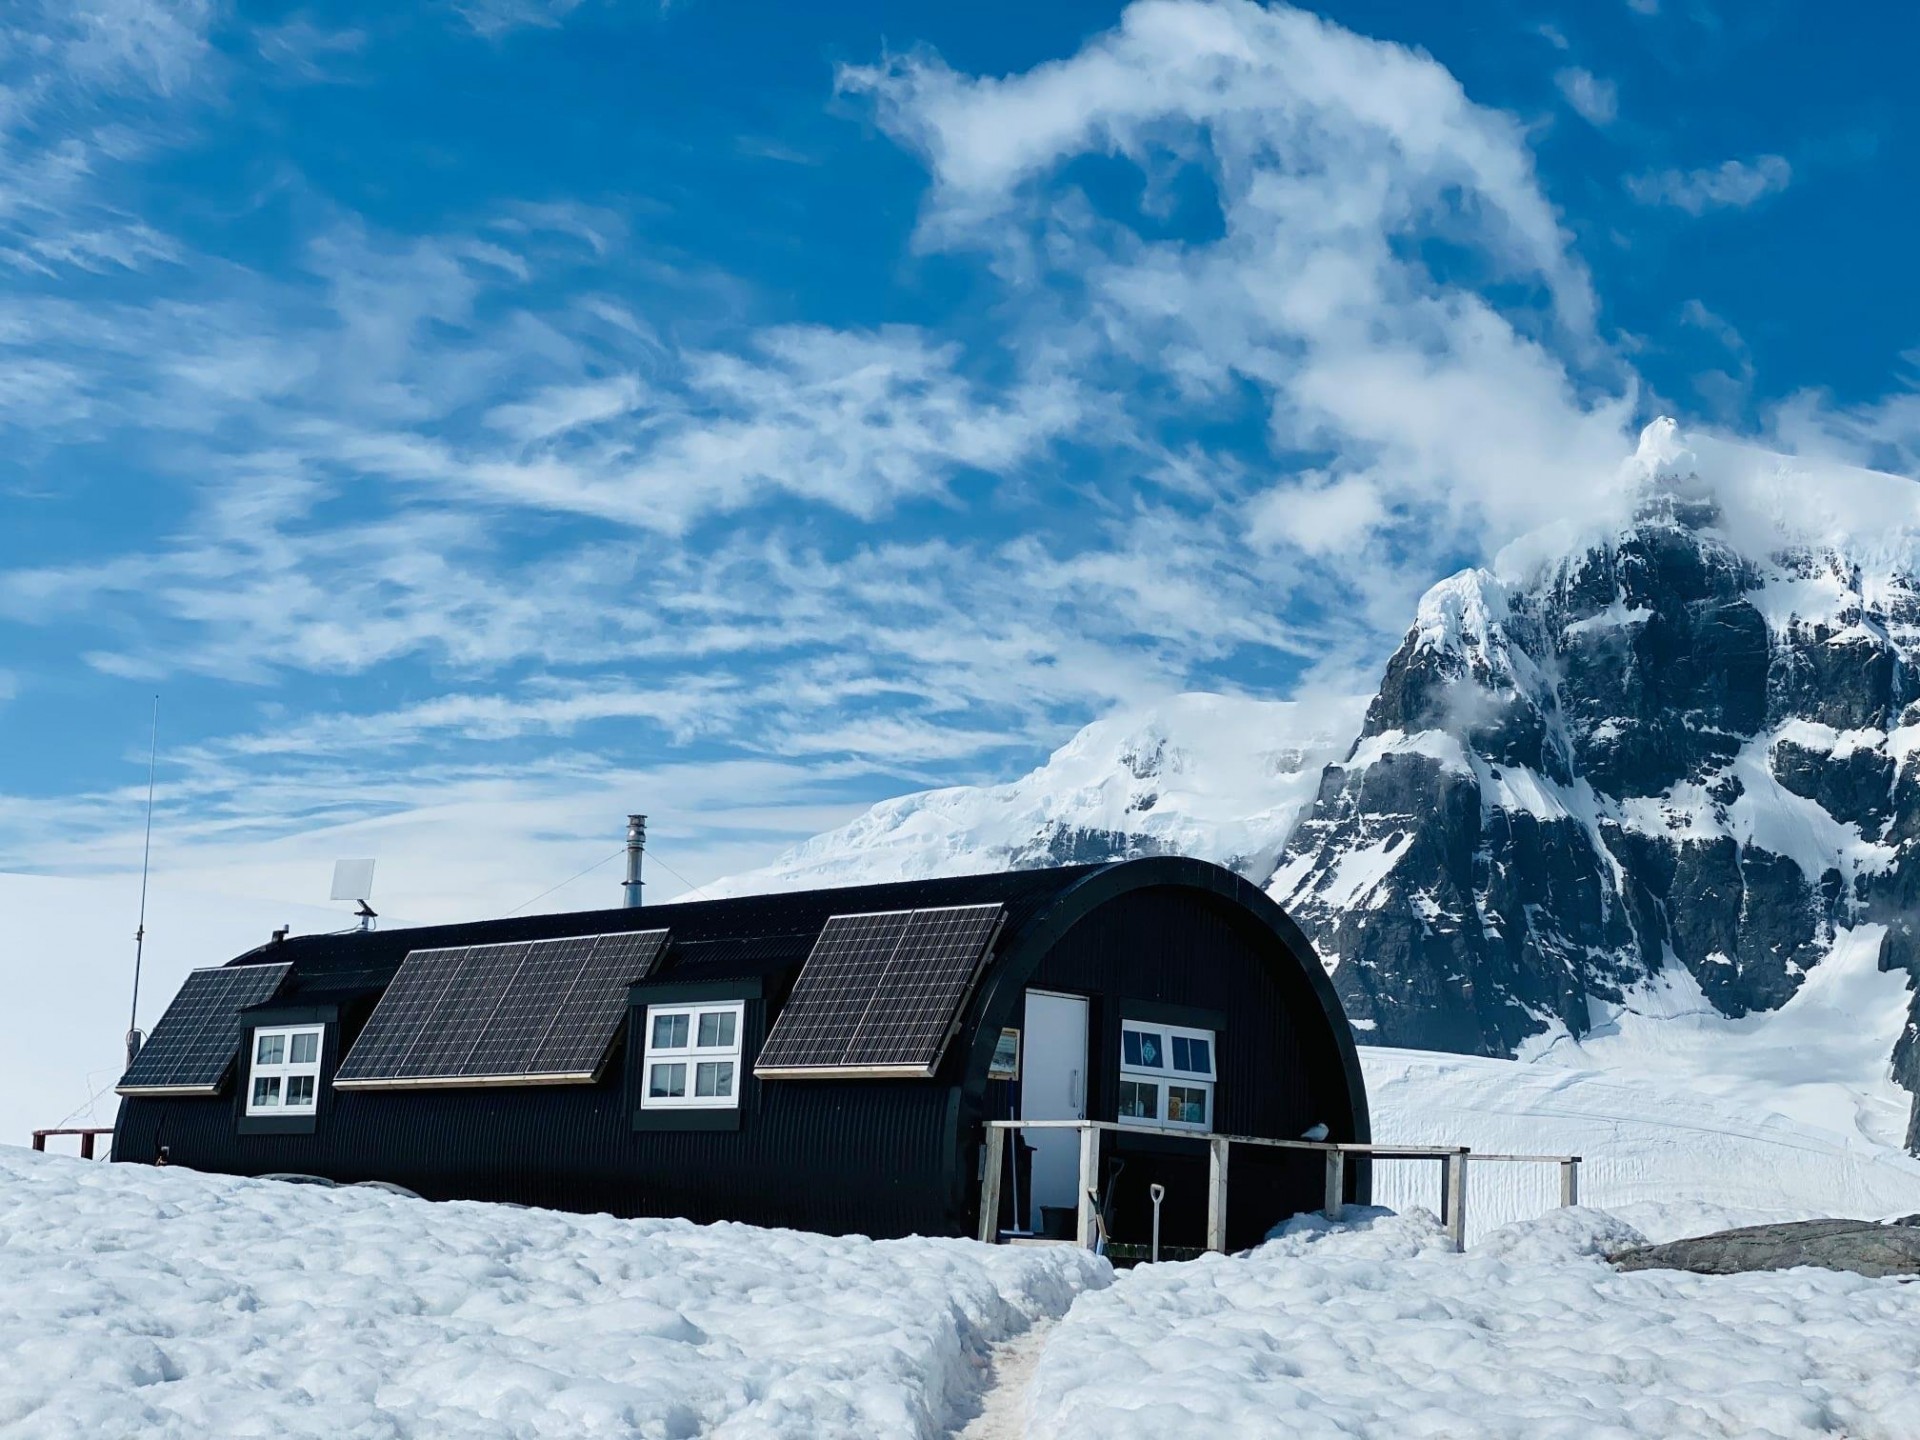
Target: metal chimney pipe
{"type": "Point", "coordinates": [636, 850]}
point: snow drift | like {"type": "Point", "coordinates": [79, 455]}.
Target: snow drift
{"type": "Point", "coordinates": [152, 1302]}
{"type": "Point", "coordinates": [1373, 1330]}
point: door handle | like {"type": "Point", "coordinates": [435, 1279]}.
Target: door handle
{"type": "Point", "coordinates": [1076, 1092]}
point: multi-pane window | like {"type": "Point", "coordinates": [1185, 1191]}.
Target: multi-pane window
{"type": "Point", "coordinates": [1166, 1075]}
{"type": "Point", "coordinates": [692, 1057]}
{"type": "Point", "coordinates": [285, 1070]}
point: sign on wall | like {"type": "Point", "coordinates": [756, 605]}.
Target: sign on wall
{"type": "Point", "coordinates": [1006, 1056]}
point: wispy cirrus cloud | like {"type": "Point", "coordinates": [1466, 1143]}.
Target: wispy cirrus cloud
{"type": "Point", "coordinates": [504, 505]}
{"type": "Point", "coordinates": [1593, 99]}
{"type": "Point", "coordinates": [1732, 184]}
{"type": "Point", "coordinates": [300, 48]}
{"type": "Point", "coordinates": [82, 87]}
{"type": "Point", "coordinates": [494, 18]}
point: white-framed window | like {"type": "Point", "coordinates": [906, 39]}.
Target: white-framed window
{"type": "Point", "coordinates": [692, 1056]}
{"type": "Point", "coordinates": [1167, 1074]}
{"type": "Point", "coordinates": [286, 1070]}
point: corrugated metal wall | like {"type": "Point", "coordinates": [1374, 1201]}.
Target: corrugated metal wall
{"type": "Point", "coordinates": [848, 1156]}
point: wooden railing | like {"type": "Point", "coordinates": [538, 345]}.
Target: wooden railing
{"type": "Point", "coordinates": [86, 1134]}
{"type": "Point", "coordinates": [1452, 1158]}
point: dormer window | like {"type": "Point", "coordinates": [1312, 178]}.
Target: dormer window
{"type": "Point", "coordinates": [692, 1059]}
{"type": "Point", "coordinates": [285, 1078]}
{"type": "Point", "coordinates": [1166, 1075]}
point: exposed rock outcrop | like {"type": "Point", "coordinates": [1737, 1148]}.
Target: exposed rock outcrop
{"type": "Point", "coordinates": [1857, 1245]}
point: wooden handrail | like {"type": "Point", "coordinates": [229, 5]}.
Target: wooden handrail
{"type": "Point", "coordinates": [1453, 1160]}
{"type": "Point", "coordinates": [85, 1132]}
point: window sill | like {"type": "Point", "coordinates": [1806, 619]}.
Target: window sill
{"type": "Point", "coordinates": [277, 1124]}
{"type": "Point", "coordinates": [689, 1119]}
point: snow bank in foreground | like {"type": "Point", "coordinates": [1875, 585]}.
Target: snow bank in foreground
{"type": "Point", "coordinates": [162, 1302]}
{"type": "Point", "coordinates": [1375, 1330]}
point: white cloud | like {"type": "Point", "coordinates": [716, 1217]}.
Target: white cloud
{"type": "Point", "coordinates": [1725, 390]}
{"type": "Point", "coordinates": [303, 50]}
{"type": "Point", "coordinates": [1733, 184]}
{"type": "Point", "coordinates": [1321, 514]}
{"type": "Point", "coordinates": [160, 43]}
{"type": "Point", "coordinates": [1325, 150]}
{"type": "Point", "coordinates": [86, 89]}
{"type": "Point", "coordinates": [1595, 100]}
{"type": "Point", "coordinates": [494, 18]}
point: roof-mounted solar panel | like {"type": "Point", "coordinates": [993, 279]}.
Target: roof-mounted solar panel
{"type": "Point", "coordinates": [880, 995]}
{"type": "Point", "coordinates": [540, 1012]}
{"type": "Point", "coordinates": [197, 1039]}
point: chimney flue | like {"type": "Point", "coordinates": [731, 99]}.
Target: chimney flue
{"type": "Point", "coordinates": [636, 849]}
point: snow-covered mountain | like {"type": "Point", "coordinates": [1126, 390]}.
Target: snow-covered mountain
{"type": "Point", "coordinates": [1220, 777]}
{"type": "Point", "coordinates": [1669, 764]}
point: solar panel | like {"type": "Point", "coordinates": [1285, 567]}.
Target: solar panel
{"type": "Point", "coordinates": [597, 1002]}
{"type": "Point", "coordinates": [190, 1049]}
{"type": "Point", "coordinates": [395, 1025]}
{"type": "Point", "coordinates": [528, 1012]}
{"type": "Point", "coordinates": [466, 1006]}
{"type": "Point", "coordinates": [529, 1006]}
{"type": "Point", "coordinates": [831, 994]}
{"type": "Point", "coordinates": [880, 993]}
{"type": "Point", "coordinates": [931, 975]}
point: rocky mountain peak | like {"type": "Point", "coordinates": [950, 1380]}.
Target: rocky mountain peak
{"type": "Point", "coordinates": [1682, 746]}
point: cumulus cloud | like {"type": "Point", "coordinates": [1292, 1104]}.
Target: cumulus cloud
{"type": "Point", "coordinates": [1733, 184]}
{"type": "Point", "coordinates": [1595, 100]}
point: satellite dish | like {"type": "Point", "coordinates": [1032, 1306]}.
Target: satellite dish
{"type": "Point", "coordinates": [352, 879]}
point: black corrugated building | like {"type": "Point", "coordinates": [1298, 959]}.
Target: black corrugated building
{"type": "Point", "coordinates": [483, 1061]}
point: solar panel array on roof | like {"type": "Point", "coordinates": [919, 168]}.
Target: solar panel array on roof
{"type": "Point", "coordinates": [526, 1013]}
{"type": "Point", "coordinates": [880, 993]}
{"type": "Point", "coordinates": [190, 1049]}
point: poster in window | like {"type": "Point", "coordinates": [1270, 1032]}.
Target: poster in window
{"type": "Point", "coordinates": [1006, 1056]}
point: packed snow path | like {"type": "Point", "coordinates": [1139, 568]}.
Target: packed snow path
{"type": "Point", "coordinates": [1376, 1330]}
{"type": "Point", "coordinates": [151, 1302]}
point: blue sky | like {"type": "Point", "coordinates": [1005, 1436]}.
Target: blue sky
{"type": "Point", "coordinates": [475, 420]}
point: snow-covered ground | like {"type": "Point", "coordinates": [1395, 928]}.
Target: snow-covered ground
{"type": "Point", "coordinates": [136, 1301]}
{"type": "Point", "coordinates": [1375, 1331]}
{"type": "Point", "coordinates": [143, 1302]}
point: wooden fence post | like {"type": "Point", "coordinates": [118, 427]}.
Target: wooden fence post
{"type": "Point", "coordinates": [1089, 1184]}
{"type": "Point", "coordinates": [1217, 1194]}
{"type": "Point", "coordinates": [1336, 1196]}
{"type": "Point", "coordinates": [1455, 1203]}
{"type": "Point", "coordinates": [990, 1185]}
{"type": "Point", "coordinates": [1570, 1181]}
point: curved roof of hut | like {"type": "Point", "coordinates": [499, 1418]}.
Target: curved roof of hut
{"type": "Point", "coordinates": [709, 939]}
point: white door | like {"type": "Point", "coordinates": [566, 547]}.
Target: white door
{"type": "Point", "coordinates": [1053, 1086]}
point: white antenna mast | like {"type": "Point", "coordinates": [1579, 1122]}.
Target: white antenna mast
{"type": "Point", "coordinates": [146, 857]}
